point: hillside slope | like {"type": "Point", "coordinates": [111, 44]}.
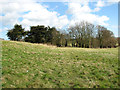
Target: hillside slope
{"type": "Point", "coordinates": [26, 65]}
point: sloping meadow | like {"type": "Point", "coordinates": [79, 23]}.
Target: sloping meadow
{"type": "Point", "coordinates": [26, 65]}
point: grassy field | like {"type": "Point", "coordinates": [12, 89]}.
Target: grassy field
{"type": "Point", "coordinates": [26, 65]}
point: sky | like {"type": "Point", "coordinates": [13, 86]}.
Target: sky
{"type": "Point", "coordinates": [57, 13]}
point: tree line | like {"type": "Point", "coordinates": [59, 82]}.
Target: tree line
{"type": "Point", "coordinates": [83, 34]}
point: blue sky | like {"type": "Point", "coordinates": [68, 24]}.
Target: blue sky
{"type": "Point", "coordinates": [58, 14]}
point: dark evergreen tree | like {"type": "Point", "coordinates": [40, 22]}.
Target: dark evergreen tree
{"type": "Point", "coordinates": [16, 33]}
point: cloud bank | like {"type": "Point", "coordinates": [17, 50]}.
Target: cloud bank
{"type": "Point", "coordinates": [33, 12]}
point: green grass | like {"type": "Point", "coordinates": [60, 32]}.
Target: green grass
{"type": "Point", "coordinates": [26, 65]}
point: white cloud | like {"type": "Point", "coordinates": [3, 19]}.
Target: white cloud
{"type": "Point", "coordinates": [83, 13]}
{"type": "Point", "coordinates": [96, 9]}
{"type": "Point", "coordinates": [100, 3]}
{"type": "Point", "coordinates": [112, 0]}
{"type": "Point", "coordinates": [103, 3]}
{"type": "Point", "coordinates": [77, 7]}
{"type": "Point", "coordinates": [38, 14]}
{"type": "Point", "coordinates": [41, 16]}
